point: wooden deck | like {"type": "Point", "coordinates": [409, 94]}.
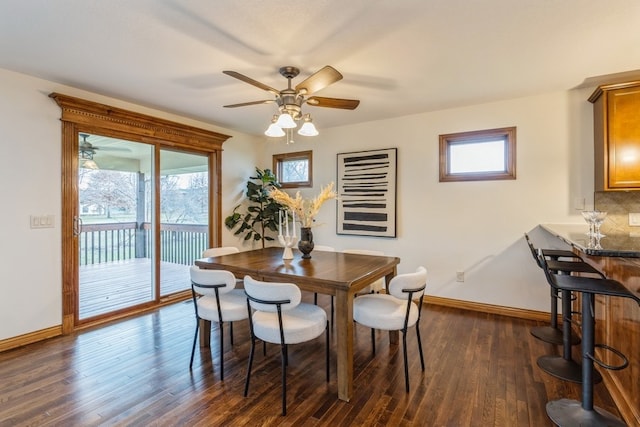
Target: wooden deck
{"type": "Point", "coordinates": [112, 286]}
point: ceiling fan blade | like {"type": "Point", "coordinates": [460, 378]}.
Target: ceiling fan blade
{"type": "Point", "coordinates": [345, 104]}
{"type": "Point", "coordinates": [319, 80]}
{"type": "Point", "coordinates": [121, 149]}
{"type": "Point", "coordinates": [251, 81]}
{"type": "Point", "coordinates": [244, 104]}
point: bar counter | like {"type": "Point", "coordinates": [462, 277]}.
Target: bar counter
{"type": "Point", "coordinates": [611, 245]}
{"type": "Point", "coordinates": [617, 319]}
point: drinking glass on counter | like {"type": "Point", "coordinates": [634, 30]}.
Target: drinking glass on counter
{"type": "Point", "coordinates": [598, 219]}
{"type": "Point", "coordinates": [589, 216]}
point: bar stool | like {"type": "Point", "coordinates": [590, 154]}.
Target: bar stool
{"type": "Point", "coordinates": [555, 254]}
{"type": "Point", "coordinates": [564, 367]}
{"type": "Point", "coordinates": [569, 412]}
{"type": "Point", "coordinates": [551, 333]}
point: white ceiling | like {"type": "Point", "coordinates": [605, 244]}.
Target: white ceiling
{"type": "Point", "coordinates": [398, 57]}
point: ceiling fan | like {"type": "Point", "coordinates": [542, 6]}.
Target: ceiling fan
{"type": "Point", "coordinates": [88, 150]}
{"type": "Point", "coordinates": [291, 99]}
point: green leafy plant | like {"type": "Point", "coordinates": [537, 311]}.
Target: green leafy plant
{"type": "Point", "coordinates": [259, 214]}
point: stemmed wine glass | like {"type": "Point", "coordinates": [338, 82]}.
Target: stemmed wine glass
{"type": "Point", "coordinates": [598, 219]}
{"type": "Point", "coordinates": [589, 216]}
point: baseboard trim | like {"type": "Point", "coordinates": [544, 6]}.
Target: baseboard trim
{"type": "Point", "coordinates": [520, 313]}
{"type": "Point", "coordinates": [30, 338]}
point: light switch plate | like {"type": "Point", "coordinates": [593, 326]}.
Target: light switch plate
{"type": "Point", "coordinates": [634, 219]}
{"type": "Point", "coordinates": [41, 221]}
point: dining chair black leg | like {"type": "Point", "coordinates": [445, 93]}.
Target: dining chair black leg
{"type": "Point", "coordinates": [315, 298]}
{"type": "Point", "coordinates": [286, 355]}
{"type": "Point", "coordinates": [195, 338]}
{"type": "Point", "coordinates": [373, 341]}
{"type": "Point", "coordinates": [406, 365]}
{"type": "Point", "coordinates": [221, 327]}
{"type": "Point", "coordinates": [419, 345]}
{"type": "Point", "coordinates": [231, 333]}
{"type": "Point", "coordinates": [246, 382]}
{"type": "Point", "coordinates": [284, 378]}
{"type": "Point", "coordinates": [327, 350]}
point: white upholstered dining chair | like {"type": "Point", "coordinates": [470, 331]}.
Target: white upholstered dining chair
{"type": "Point", "coordinates": [219, 251]}
{"type": "Point", "coordinates": [216, 299]}
{"type": "Point", "coordinates": [280, 318]}
{"type": "Point", "coordinates": [395, 310]}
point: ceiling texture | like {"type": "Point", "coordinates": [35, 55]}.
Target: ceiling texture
{"type": "Point", "coordinates": [397, 57]}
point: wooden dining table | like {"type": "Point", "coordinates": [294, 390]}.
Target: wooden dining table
{"type": "Point", "coordinates": [332, 273]}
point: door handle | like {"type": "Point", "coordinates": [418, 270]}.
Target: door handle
{"type": "Point", "coordinates": [77, 225]}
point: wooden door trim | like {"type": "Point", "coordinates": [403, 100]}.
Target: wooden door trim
{"type": "Point", "coordinates": [83, 115]}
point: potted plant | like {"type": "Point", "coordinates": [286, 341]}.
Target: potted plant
{"type": "Point", "coordinates": [260, 214]}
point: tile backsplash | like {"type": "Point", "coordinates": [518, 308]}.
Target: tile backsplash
{"type": "Point", "coordinates": [618, 205]}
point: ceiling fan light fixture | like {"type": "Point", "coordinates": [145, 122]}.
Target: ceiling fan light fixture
{"type": "Point", "coordinates": [285, 121]}
{"type": "Point", "coordinates": [291, 100]}
{"type": "Point", "coordinates": [86, 155]}
{"type": "Point", "coordinates": [308, 128]}
{"type": "Point", "coordinates": [274, 130]}
{"type": "Point", "coordinates": [89, 164]}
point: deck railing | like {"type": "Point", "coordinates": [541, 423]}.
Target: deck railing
{"type": "Point", "coordinates": [111, 242]}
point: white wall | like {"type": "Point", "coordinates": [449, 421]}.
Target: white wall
{"type": "Point", "coordinates": [30, 165]}
{"type": "Point", "coordinates": [472, 226]}
{"type": "Point", "coordinates": [475, 227]}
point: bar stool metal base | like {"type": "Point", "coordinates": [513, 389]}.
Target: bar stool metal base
{"type": "Point", "coordinates": [552, 335]}
{"type": "Point", "coordinates": [564, 369]}
{"type": "Point", "coordinates": [569, 413]}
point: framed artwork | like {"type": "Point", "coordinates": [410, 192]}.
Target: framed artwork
{"type": "Point", "coordinates": [367, 193]}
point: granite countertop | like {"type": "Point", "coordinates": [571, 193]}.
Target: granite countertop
{"type": "Point", "coordinates": [612, 245]}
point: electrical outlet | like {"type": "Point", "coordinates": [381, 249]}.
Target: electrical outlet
{"type": "Point", "coordinates": [459, 276]}
{"type": "Point", "coordinates": [634, 219]}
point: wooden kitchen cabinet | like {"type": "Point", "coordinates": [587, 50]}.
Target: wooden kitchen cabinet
{"type": "Point", "coordinates": [616, 118]}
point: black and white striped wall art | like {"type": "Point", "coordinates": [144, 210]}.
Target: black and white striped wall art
{"type": "Point", "coordinates": [367, 193]}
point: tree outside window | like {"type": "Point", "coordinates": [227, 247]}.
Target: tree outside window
{"type": "Point", "coordinates": [294, 170]}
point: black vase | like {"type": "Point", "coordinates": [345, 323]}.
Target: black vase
{"type": "Point", "coordinates": [305, 244]}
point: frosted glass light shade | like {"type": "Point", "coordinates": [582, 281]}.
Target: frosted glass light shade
{"type": "Point", "coordinates": [285, 121]}
{"type": "Point", "coordinates": [89, 164]}
{"type": "Point", "coordinates": [274, 131]}
{"type": "Point", "coordinates": [308, 129]}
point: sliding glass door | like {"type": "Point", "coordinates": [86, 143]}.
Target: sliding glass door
{"type": "Point", "coordinates": [140, 200]}
{"type": "Point", "coordinates": [114, 225]}
{"type": "Point", "coordinates": [184, 216]}
{"type": "Point", "coordinates": [119, 266]}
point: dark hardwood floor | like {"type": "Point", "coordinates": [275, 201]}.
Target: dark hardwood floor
{"type": "Point", "coordinates": [480, 371]}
